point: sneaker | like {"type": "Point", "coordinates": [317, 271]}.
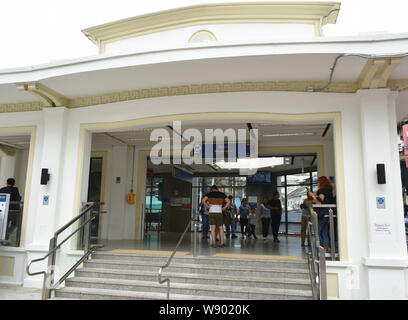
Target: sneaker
{"type": "Point", "coordinates": [255, 237]}
{"type": "Point", "coordinates": [234, 236]}
{"type": "Point", "coordinates": [265, 238]}
{"type": "Point", "coordinates": [276, 240]}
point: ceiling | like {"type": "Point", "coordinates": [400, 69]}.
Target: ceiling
{"type": "Point", "coordinates": [237, 69]}
{"type": "Point", "coordinates": [17, 141]}
{"type": "Point", "coordinates": [141, 139]}
{"type": "Point", "coordinates": [268, 133]}
{"type": "Point", "coordinates": [259, 68]}
{"type": "Point", "coordinates": [295, 162]}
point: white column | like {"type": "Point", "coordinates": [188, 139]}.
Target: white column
{"type": "Point", "coordinates": [43, 216]}
{"type": "Point", "coordinates": [386, 235]}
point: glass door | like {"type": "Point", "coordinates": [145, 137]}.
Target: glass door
{"type": "Point", "coordinates": [292, 189]}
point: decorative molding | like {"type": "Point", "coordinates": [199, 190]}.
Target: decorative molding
{"type": "Point", "coordinates": [21, 107]}
{"type": "Point", "coordinates": [48, 97]}
{"type": "Point", "coordinates": [302, 86]}
{"type": "Point", "coordinates": [398, 85]}
{"type": "Point", "coordinates": [290, 86]}
{"type": "Point", "coordinates": [376, 72]}
{"type": "Point", "coordinates": [316, 13]}
{"type": "Point", "coordinates": [210, 36]}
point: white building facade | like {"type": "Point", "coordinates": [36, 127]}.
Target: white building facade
{"type": "Point", "coordinates": [240, 63]}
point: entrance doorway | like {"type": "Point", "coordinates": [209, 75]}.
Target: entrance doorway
{"type": "Point", "coordinates": [167, 203]}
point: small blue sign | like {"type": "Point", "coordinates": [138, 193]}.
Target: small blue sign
{"type": "Point", "coordinates": [3, 198]}
{"type": "Point", "coordinates": [45, 200]}
{"type": "Point", "coordinates": [380, 202]}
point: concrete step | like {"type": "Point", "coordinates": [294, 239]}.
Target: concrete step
{"type": "Point", "coordinates": [190, 289]}
{"type": "Point", "coordinates": [268, 273]}
{"type": "Point", "coordinates": [195, 278]}
{"type": "Point", "coordinates": [161, 259]}
{"type": "Point", "coordinates": [106, 294]}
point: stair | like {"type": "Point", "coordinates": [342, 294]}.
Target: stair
{"type": "Point", "coordinates": [130, 276]}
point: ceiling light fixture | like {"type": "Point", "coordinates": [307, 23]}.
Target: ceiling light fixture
{"type": "Point", "coordinates": [251, 163]}
{"type": "Point", "coordinates": [289, 134]}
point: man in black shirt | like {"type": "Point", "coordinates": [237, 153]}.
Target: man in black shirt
{"type": "Point", "coordinates": [276, 213]}
{"type": "Point", "coordinates": [14, 208]}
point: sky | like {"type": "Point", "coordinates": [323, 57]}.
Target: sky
{"type": "Point", "coordinates": [37, 32]}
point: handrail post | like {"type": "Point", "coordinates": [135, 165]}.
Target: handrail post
{"type": "Point", "coordinates": [48, 281]}
{"type": "Point", "coordinates": [195, 239]}
{"type": "Point", "coordinates": [322, 274]}
{"type": "Point", "coordinates": [86, 231]}
{"type": "Point", "coordinates": [332, 240]}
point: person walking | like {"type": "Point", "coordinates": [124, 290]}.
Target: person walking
{"type": "Point", "coordinates": [216, 201]}
{"type": "Point", "coordinates": [275, 206]}
{"type": "Point", "coordinates": [243, 212]}
{"type": "Point", "coordinates": [252, 219]}
{"type": "Point", "coordinates": [14, 208]}
{"type": "Point", "coordinates": [265, 215]}
{"type": "Point", "coordinates": [324, 195]}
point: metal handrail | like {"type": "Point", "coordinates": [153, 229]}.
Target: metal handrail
{"type": "Point", "coordinates": [159, 275]}
{"type": "Point", "coordinates": [331, 217]}
{"type": "Point", "coordinates": [316, 259]}
{"type": "Point", "coordinates": [46, 290]}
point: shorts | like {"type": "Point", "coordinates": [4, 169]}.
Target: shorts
{"type": "Point", "coordinates": [216, 219]}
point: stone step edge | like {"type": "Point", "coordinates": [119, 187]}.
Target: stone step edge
{"type": "Point", "coordinates": [215, 258]}
{"type": "Point", "coordinates": [152, 295]}
{"type": "Point", "coordinates": [194, 276]}
{"type": "Point", "coordinates": [203, 287]}
{"type": "Point", "coordinates": [198, 266]}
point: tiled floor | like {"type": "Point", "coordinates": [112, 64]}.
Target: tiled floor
{"type": "Point", "coordinates": [288, 246]}
{"type": "Point", "coordinates": [16, 292]}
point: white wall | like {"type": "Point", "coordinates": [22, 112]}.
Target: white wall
{"type": "Point", "coordinates": [259, 32]}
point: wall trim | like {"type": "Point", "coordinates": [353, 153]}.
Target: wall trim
{"type": "Point", "coordinates": [282, 86]}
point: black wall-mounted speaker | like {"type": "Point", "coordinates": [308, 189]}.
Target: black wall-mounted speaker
{"type": "Point", "coordinates": [44, 176]}
{"type": "Point", "coordinates": [380, 173]}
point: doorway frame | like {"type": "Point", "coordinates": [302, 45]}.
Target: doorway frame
{"type": "Point", "coordinates": [333, 117]}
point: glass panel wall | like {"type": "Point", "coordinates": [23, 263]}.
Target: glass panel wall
{"type": "Point", "coordinates": [231, 185]}
{"type": "Point", "coordinates": [153, 204]}
{"type": "Point", "coordinates": [292, 189]}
